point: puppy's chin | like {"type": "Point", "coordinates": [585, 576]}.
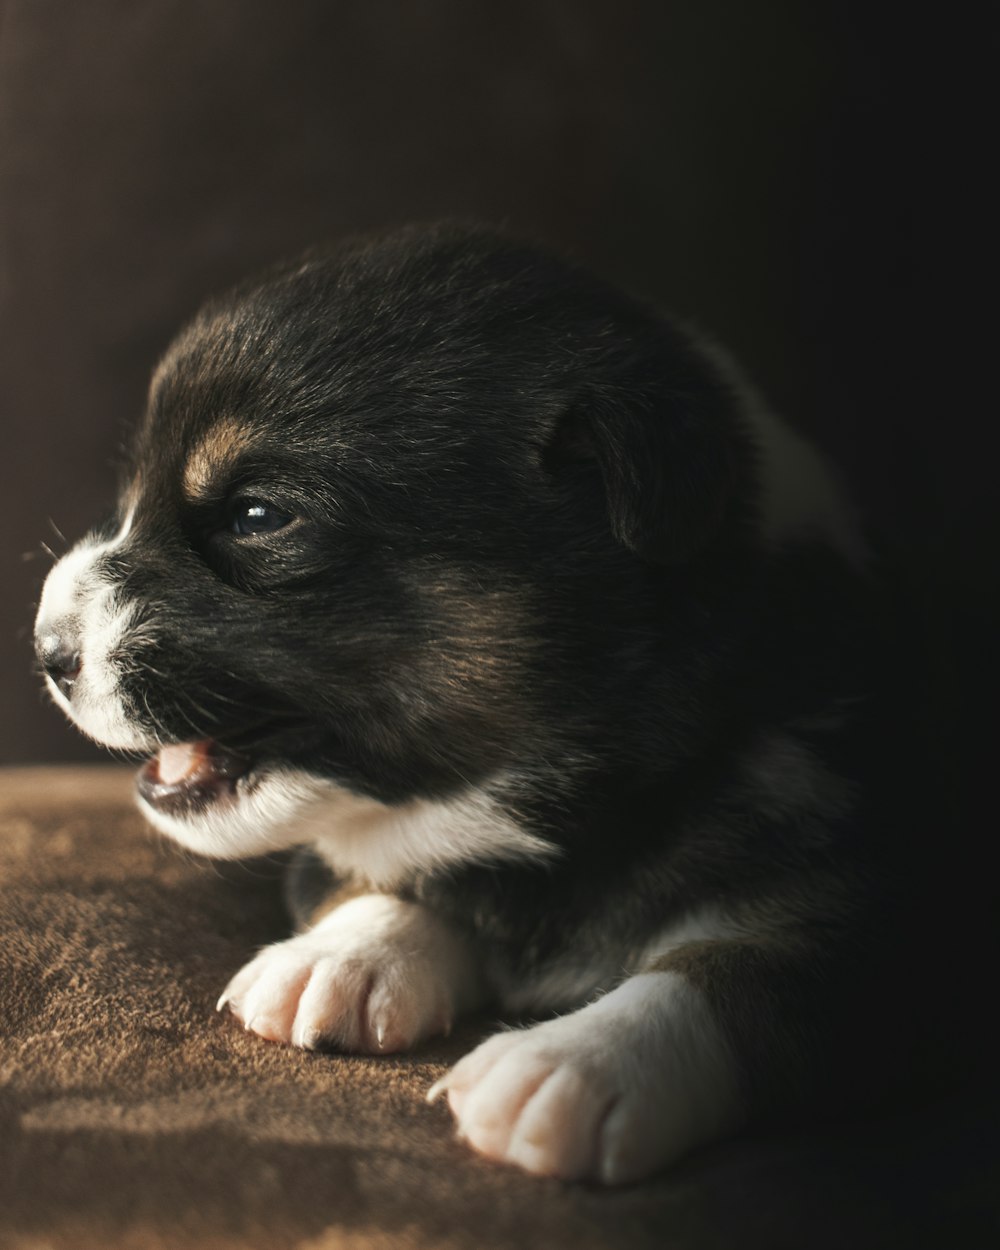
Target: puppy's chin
{"type": "Point", "coordinates": [102, 720]}
{"type": "Point", "coordinates": [220, 805]}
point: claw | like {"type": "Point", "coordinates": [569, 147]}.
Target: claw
{"type": "Point", "coordinates": [439, 1087]}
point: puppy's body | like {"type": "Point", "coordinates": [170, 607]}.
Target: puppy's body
{"type": "Point", "coordinates": [504, 597]}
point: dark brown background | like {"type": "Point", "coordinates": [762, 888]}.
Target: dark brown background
{"type": "Point", "coordinates": [793, 175]}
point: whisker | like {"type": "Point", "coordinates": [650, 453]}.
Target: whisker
{"type": "Point", "coordinates": [58, 533]}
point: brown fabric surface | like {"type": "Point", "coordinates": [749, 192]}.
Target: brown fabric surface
{"type": "Point", "coordinates": [131, 1115]}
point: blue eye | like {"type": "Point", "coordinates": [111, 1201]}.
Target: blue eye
{"type": "Point", "coordinates": [258, 518]}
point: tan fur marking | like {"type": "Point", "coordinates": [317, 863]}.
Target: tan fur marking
{"type": "Point", "coordinates": [341, 893]}
{"type": "Point", "coordinates": [697, 960]}
{"type": "Point", "coordinates": [477, 663]}
{"type": "Point", "coordinates": [217, 450]}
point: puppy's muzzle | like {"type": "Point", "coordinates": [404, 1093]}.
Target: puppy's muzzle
{"type": "Point", "coordinates": [59, 655]}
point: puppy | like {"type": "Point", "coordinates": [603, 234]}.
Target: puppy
{"type": "Point", "coordinates": [503, 598]}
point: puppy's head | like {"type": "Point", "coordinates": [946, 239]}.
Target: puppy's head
{"type": "Point", "coordinates": [399, 517]}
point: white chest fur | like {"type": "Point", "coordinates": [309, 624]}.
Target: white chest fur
{"type": "Point", "coordinates": [384, 844]}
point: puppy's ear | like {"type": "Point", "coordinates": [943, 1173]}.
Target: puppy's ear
{"type": "Point", "coordinates": [666, 455]}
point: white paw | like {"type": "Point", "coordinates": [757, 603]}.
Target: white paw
{"type": "Point", "coordinates": [612, 1092]}
{"type": "Point", "coordinates": [375, 976]}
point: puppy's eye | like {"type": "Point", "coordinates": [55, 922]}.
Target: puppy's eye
{"type": "Point", "coordinates": [254, 517]}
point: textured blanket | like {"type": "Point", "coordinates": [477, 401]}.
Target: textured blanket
{"type": "Point", "coordinates": [132, 1115]}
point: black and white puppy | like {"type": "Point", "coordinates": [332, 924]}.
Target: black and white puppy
{"type": "Point", "coordinates": [504, 598]}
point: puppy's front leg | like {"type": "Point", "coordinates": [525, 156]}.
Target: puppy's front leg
{"type": "Point", "coordinates": [634, 1080]}
{"type": "Point", "coordinates": [611, 1092]}
{"type": "Point", "coordinates": [374, 975]}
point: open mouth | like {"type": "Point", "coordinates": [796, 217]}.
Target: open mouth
{"type": "Point", "coordinates": [187, 778]}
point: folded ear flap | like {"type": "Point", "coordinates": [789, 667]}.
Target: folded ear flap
{"type": "Point", "coordinates": [667, 466]}
{"type": "Point", "coordinates": [664, 434]}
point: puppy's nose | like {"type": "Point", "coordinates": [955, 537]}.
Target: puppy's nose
{"type": "Point", "coordinates": [60, 659]}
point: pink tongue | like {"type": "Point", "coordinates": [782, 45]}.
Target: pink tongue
{"type": "Point", "coordinates": [174, 763]}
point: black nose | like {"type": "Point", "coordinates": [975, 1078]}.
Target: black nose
{"type": "Point", "coordinates": [60, 660]}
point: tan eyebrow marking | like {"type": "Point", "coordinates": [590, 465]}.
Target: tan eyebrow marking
{"type": "Point", "coordinates": [216, 451]}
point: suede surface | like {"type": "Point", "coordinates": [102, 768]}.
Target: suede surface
{"type": "Point", "coordinates": [135, 1116]}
